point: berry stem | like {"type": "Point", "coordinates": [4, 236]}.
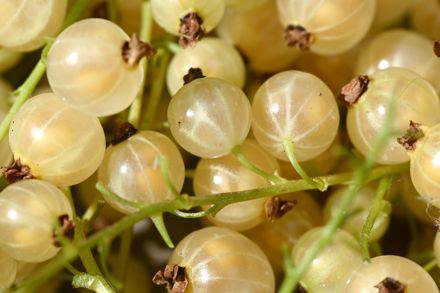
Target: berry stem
{"type": "Point", "coordinates": [430, 265]}
{"type": "Point", "coordinates": [274, 179]}
{"type": "Point", "coordinates": [76, 12]}
{"type": "Point", "coordinates": [112, 10]}
{"type": "Point", "coordinates": [93, 283]}
{"type": "Point", "coordinates": [160, 226]}
{"type": "Point", "coordinates": [165, 169]}
{"type": "Point", "coordinates": [376, 208]}
{"type": "Point", "coordinates": [70, 253]}
{"type": "Point", "coordinates": [124, 253]}
{"type": "Point", "coordinates": [135, 111]}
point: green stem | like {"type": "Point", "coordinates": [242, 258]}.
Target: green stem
{"type": "Point", "coordinates": [112, 10]}
{"type": "Point", "coordinates": [165, 169]}
{"type": "Point", "coordinates": [160, 62]}
{"type": "Point", "coordinates": [124, 253]}
{"type": "Point", "coordinates": [69, 253]}
{"type": "Point", "coordinates": [86, 255]}
{"type": "Point", "coordinates": [429, 266]}
{"type": "Point", "coordinates": [162, 229]}
{"type": "Point", "coordinates": [135, 112]}
{"type": "Point", "coordinates": [374, 212]}
{"type": "Point", "coordinates": [94, 283]}
{"type": "Point", "coordinates": [249, 165]}
{"type": "Point", "coordinates": [76, 12]}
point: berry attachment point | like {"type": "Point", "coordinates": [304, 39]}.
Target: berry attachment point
{"type": "Point", "coordinates": [173, 277]}
{"type": "Point", "coordinates": [437, 48]}
{"type": "Point", "coordinates": [276, 207]}
{"type": "Point", "coordinates": [390, 285]}
{"type": "Point", "coordinates": [352, 91]}
{"type": "Point", "coordinates": [412, 135]}
{"type": "Point", "coordinates": [134, 50]}
{"type": "Point", "coordinates": [17, 171]}
{"type": "Point", "coordinates": [297, 36]}
{"type": "Point", "coordinates": [67, 226]}
{"type": "Point", "coordinates": [193, 73]}
{"type": "Point", "coordinates": [190, 30]}
{"type": "Point", "coordinates": [125, 131]}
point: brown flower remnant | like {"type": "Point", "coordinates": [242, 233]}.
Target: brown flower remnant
{"type": "Point", "coordinates": [276, 207]}
{"type": "Point", "coordinates": [412, 135]}
{"type": "Point", "coordinates": [17, 171]}
{"type": "Point", "coordinates": [193, 73]}
{"type": "Point", "coordinates": [190, 29]}
{"type": "Point", "coordinates": [67, 227]}
{"type": "Point", "coordinates": [352, 91]}
{"type": "Point", "coordinates": [125, 131]}
{"type": "Point", "coordinates": [437, 48]}
{"type": "Point", "coordinates": [134, 50]}
{"type": "Point", "coordinates": [300, 289]}
{"type": "Point", "coordinates": [298, 36]}
{"type": "Point", "coordinates": [389, 285]}
{"type": "Point", "coordinates": [173, 277]}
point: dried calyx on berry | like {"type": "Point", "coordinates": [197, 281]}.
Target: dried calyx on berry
{"type": "Point", "coordinates": [298, 36]}
{"type": "Point", "coordinates": [190, 29]}
{"type": "Point", "coordinates": [437, 48]}
{"type": "Point", "coordinates": [412, 135]}
{"type": "Point", "coordinates": [17, 171]}
{"type": "Point", "coordinates": [390, 285]}
{"type": "Point", "coordinates": [134, 50]}
{"type": "Point", "coordinates": [276, 207]}
{"type": "Point", "coordinates": [124, 131]}
{"type": "Point", "coordinates": [67, 226]}
{"type": "Point", "coordinates": [193, 73]}
{"type": "Point", "coordinates": [300, 289]}
{"type": "Point", "coordinates": [352, 91]}
{"type": "Point", "coordinates": [173, 277]}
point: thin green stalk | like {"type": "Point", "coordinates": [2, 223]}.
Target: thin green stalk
{"type": "Point", "coordinates": [160, 63]}
{"type": "Point", "coordinates": [173, 47]}
{"type": "Point", "coordinates": [70, 253]}
{"type": "Point", "coordinates": [104, 248]}
{"type": "Point", "coordinates": [85, 255]}
{"type": "Point", "coordinates": [249, 165]}
{"type": "Point", "coordinates": [162, 229]}
{"type": "Point", "coordinates": [94, 283]}
{"type": "Point", "coordinates": [124, 253]}
{"type": "Point", "coordinates": [165, 169]}
{"type": "Point", "coordinates": [376, 208]}
{"type": "Point", "coordinates": [430, 265]}
{"type": "Point", "coordinates": [112, 10]}
{"type": "Point", "coordinates": [76, 12]}
{"type": "Point", "coordinates": [135, 111]}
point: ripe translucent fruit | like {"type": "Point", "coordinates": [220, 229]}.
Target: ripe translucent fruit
{"type": "Point", "coordinates": [400, 48]}
{"type": "Point", "coordinates": [298, 106]}
{"type": "Point", "coordinates": [132, 170]}
{"type": "Point", "coordinates": [331, 270]}
{"type": "Point", "coordinates": [8, 270]}
{"type": "Point", "coordinates": [29, 213]}
{"type": "Point", "coordinates": [425, 166]}
{"type": "Point", "coordinates": [25, 23]}
{"type": "Point", "coordinates": [424, 18]}
{"type": "Point", "coordinates": [209, 117]}
{"type": "Point", "coordinates": [243, 4]}
{"type": "Point", "coordinates": [389, 12]}
{"type": "Point", "coordinates": [411, 97]}
{"type": "Point", "coordinates": [357, 211]}
{"type": "Point", "coordinates": [227, 174]}
{"type": "Point", "coordinates": [215, 57]}
{"type": "Point", "coordinates": [259, 36]}
{"type": "Point", "coordinates": [8, 59]}
{"type": "Point", "coordinates": [222, 260]}
{"type": "Point", "coordinates": [59, 144]}
{"type": "Point", "coordinates": [168, 13]}
{"type": "Point", "coordinates": [85, 68]}
{"type": "Point", "coordinates": [334, 26]}
{"type": "Point", "coordinates": [288, 229]}
{"type": "Point", "coordinates": [437, 246]}
{"type": "Point", "coordinates": [406, 272]}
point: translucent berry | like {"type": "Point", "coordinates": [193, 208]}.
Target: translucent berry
{"type": "Point", "coordinates": [8, 270]}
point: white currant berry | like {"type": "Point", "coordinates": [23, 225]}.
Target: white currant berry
{"type": "Point", "coordinates": [208, 117]}
{"type": "Point", "coordinates": [411, 97]}
{"type": "Point", "coordinates": [215, 58]}
{"type": "Point", "coordinates": [25, 23]}
{"type": "Point", "coordinates": [86, 68]}
{"type": "Point", "coordinates": [221, 260]}
{"type": "Point", "coordinates": [8, 59]}
{"type": "Point", "coordinates": [30, 211]}
{"type": "Point", "coordinates": [227, 174]}
{"type": "Point", "coordinates": [425, 18]}
{"type": "Point", "coordinates": [131, 169]}
{"type": "Point", "coordinates": [243, 4]}
{"type": "Point", "coordinates": [389, 12]}
{"type": "Point", "coordinates": [60, 144]}
{"type": "Point", "coordinates": [8, 270]}
{"type": "Point", "coordinates": [298, 106]}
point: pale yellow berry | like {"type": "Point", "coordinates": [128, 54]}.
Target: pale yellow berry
{"type": "Point", "coordinates": [425, 18]}
{"type": "Point", "coordinates": [8, 270]}
{"type": "Point", "coordinates": [389, 12]}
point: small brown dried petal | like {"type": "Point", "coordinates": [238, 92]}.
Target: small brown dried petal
{"type": "Point", "coordinates": [134, 50]}
{"type": "Point", "coordinates": [190, 29]}
{"type": "Point", "coordinates": [352, 91]}
{"type": "Point", "coordinates": [17, 171]}
{"type": "Point", "coordinates": [300, 289]}
{"type": "Point", "coordinates": [67, 227]}
{"type": "Point", "coordinates": [412, 135]}
{"type": "Point", "coordinates": [173, 277]}
{"type": "Point", "coordinates": [276, 207]}
{"type": "Point", "coordinates": [125, 131]}
{"type": "Point", "coordinates": [298, 36]}
{"type": "Point", "coordinates": [390, 285]}
{"type": "Point", "coordinates": [193, 73]}
{"type": "Point", "coordinates": [437, 48]}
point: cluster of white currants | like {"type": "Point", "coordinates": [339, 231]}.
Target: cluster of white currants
{"type": "Point", "coordinates": [56, 139]}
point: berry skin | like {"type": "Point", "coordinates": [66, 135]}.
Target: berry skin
{"type": "Point", "coordinates": [424, 18]}
{"type": "Point", "coordinates": [60, 144]}
{"type": "Point", "coordinates": [389, 12]}
{"type": "Point", "coordinates": [131, 169]}
{"type": "Point", "coordinates": [326, 27]}
{"type": "Point", "coordinates": [227, 174]}
{"type": "Point", "coordinates": [8, 270]}
{"type": "Point", "coordinates": [8, 59]}
{"type": "Point", "coordinates": [25, 23]}
{"type": "Point", "coordinates": [412, 97]}
{"type": "Point", "coordinates": [221, 260]}
{"type": "Point", "coordinates": [29, 213]}
{"type": "Point", "coordinates": [87, 71]}
{"type": "Point", "coordinates": [243, 4]}
{"type": "Point", "coordinates": [215, 57]}
{"type": "Point", "coordinates": [208, 117]}
{"type": "Point", "coordinates": [298, 106]}
{"type": "Point", "coordinates": [406, 272]}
